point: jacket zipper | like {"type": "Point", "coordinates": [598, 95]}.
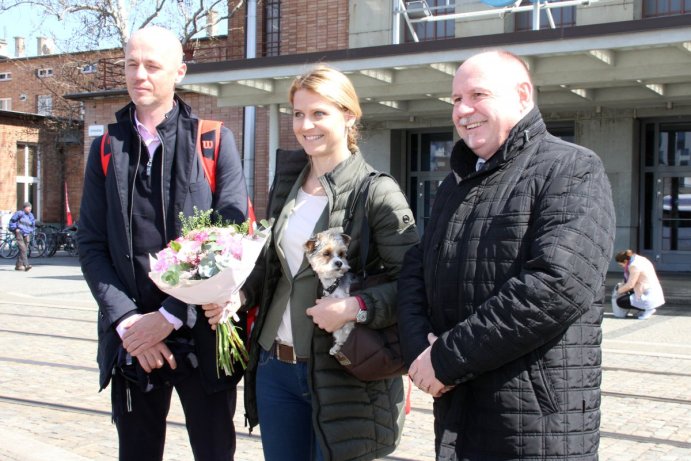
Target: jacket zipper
{"type": "Point", "coordinates": [131, 205]}
{"type": "Point", "coordinates": [163, 196]}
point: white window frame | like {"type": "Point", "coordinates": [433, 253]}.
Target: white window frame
{"type": "Point", "coordinates": [44, 104]}
{"type": "Point", "coordinates": [5, 103]}
{"type": "Point", "coordinates": [90, 68]}
{"type": "Point", "coordinates": [5, 76]}
{"type": "Point", "coordinates": [43, 73]}
{"type": "Point", "coordinates": [25, 180]}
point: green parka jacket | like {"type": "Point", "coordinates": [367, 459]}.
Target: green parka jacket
{"type": "Point", "coordinates": [353, 420]}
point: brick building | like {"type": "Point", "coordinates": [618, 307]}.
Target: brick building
{"type": "Point", "coordinates": [41, 141]}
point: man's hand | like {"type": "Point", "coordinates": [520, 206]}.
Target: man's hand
{"type": "Point", "coordinates": [422, 372]}
{"type": "Point", "coordinates": [147, 331]}
{"type": "Point", "coordinates": [330, 314]}
{"type": "Point", "coordinates": [155, 357]}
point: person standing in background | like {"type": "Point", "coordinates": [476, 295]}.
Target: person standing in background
{"type": "Point", "coordinates": [22, 225]}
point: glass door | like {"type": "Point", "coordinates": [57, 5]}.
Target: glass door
{"type": "Point", "coordinates": [676, 213]}
{"type": "Point", "coordinates": [666, 192]}
{"type": "Point", "coordinates": [429, 154]}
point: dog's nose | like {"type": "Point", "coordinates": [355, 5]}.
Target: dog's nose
{"type": "Point", "coordinates": [338, 264]}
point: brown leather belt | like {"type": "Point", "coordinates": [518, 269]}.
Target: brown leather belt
{"type": "Point", "coordinates": [286, 353]}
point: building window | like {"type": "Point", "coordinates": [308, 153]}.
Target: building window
{"type": "Point", "coordinates": [272, 28]}
{"type": "Point", "coordinates": [44, 105]}
{"type": "Point", "coordinates": [5, 103]}
{"type": "Point", "coordinates": [28, 173]}
{"type": "Point", "coordinates": [434, 30]}
{"type": "Point", "coordinates": [5, 76]}
{"type": "Point", "coordinates": [653, 8]}
{"type": "Point", "coordinates": [43, 73]}
{"type": "Point", "coordinates": [563, 17]}
{"type": "Point", "coordinates": [90, 68]}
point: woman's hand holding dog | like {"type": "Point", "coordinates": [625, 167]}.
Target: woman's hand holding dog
{"type": "Point", "coordinates": [330, 314]}
{"type": "Point", "coordinates": [214, 312]}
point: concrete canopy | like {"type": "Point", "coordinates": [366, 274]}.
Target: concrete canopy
{"type": "Point", "coordinates": [619, 65]}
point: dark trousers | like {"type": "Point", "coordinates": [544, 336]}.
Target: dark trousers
{"type": "Point", "coordinates": [142, 431]}
{"type": "Point", "coordinates": [22, 244]}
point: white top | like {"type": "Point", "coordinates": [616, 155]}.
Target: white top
{"type": "Point", "coordinates": [646, 286]}
{"type": "Point", "coordinates": [298, 229]}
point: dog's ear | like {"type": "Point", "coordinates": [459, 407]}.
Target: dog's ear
{"type": "Point", "coordinates": [310, 245]}
{"type": "Point", "coordinates": [346, 239]}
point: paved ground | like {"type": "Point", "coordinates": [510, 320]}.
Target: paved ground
{"type": "Point", "coordinates": [50, 408]}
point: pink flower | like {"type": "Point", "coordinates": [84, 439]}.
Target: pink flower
{"type": "Point", "coordinates": [166, 259]}
{"type": "Point", "coordinates": [232, 244]}
{"type": "Point", "coordinates": [189, 251]}
{"type": "Point", "coordinates": [201, 236]}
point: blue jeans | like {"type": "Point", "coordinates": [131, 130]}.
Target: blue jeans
{"type": "Point", "coordinates": [284, 403]}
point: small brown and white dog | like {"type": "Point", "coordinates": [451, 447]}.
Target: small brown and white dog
{"type": "Point", "coordinates": [326, 253]}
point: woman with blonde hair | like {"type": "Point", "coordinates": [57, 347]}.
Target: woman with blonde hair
{"type": "Point", "coordinates": [306, 403]}
{"type": "Point", "coordinates": [639, 277]}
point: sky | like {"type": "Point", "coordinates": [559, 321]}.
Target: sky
{"type": "Point", "coordinates": [22, 21]}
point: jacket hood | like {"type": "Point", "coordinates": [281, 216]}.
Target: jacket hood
{"type": "Point", "coordinates": [529, 128]}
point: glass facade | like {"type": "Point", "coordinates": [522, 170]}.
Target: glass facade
{"type": "Point", "coordinates": [654, 8]}
{"type": "Point", "coordinates": [435, 30]}
{"type": "Point", "coordinates": [563, 17]}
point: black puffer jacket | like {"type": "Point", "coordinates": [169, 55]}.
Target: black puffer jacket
{"type": "Point", "coordinates": [353, 420]}
{"type": "Point", "coordinates": [510, 276]}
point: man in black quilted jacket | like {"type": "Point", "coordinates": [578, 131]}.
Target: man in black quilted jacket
{"type": "Point", "coordinates": [500, 305]}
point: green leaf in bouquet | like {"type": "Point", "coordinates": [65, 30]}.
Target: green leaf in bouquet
{"type": "Point", "coordinates": [175, 246]}
{"type": "Point", "coordinates": [213, 247]}
{"type": "Point", "coordinates": [201, 220]}
{"type": "Point", "coordinates": [171, 277]}
{"type": "Point", "coordinates": [207, 266]}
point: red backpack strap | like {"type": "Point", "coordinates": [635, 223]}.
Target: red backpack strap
{"type": "Point", "coordinates": [105, 153]}
{"type": "Point", "coordinates": [208, 145]}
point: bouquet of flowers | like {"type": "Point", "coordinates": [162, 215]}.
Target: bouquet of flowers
{"type": "Point", "coordinates": [208, 265]}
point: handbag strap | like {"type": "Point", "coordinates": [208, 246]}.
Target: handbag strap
{"type": "Point", "coordinates": [363, 191]}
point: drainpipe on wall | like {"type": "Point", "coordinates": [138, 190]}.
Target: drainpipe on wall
{"type": "Point", "coordinates": [396, 23]}
{"type": "Point", "coordinates": [250, 111]}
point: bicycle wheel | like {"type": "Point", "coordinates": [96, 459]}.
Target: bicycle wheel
{"type": "Point", "coordinates": [9, 248]}
{"type": "Point", "coordinates": [51, 243]}
{"type": "Point", "coordinates": [37, 247]}
{"type": "Point", "coordinates": [71, 246]}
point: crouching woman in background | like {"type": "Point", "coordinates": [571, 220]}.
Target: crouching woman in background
{"type": "Point", "coordinates": [639, 277]}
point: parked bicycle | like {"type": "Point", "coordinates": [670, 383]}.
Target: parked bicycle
{"type": "Point", "coordinates": [65, 239]}
{"type": "Point", "coordinates": [8, 247]}
{"type": "Point", "coordinates": [36, 248]}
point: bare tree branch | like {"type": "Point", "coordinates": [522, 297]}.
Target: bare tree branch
{"type": "Point", "coordinates": [94, 22]}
